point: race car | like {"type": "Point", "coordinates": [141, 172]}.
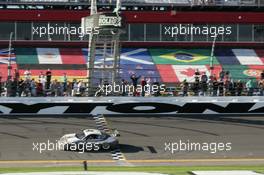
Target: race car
{"type": "Point", "coordinates": [89, 140]}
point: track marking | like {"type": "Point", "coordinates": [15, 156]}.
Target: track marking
{"type": "Point", "coordinates": [118, 155]}
{"type": "Point", "coordinates": [102, 124]}
{"type": "Point", "coordinates": [152, 149]}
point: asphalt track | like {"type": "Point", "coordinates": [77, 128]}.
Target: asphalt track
{"type": "Point", "coordinates": [142, 140]}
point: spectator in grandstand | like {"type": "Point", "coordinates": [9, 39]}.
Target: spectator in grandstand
{"type": "Point", "coordinates": [16, 75]}
{"type": "Point", "coordinates": [184, 88]}
{"type": "Point", "coordinates": [48, 78]}
{"type": "Point", "coordinates": [55, 88]}
{"type": "Point", "coordinates": [227, 87]}
{"type": "Point", "coordinates": [123, 87]}
{"type": "Point", "coordinates": [64, 80]}
{"type": "Point", "coordinates": [204, 85]}
{"type": "Point", "coordinates": [232, 88]}
{"type": "Point", "coordinates": [197, 75]}
{"type": "Point", "coordinates": [221, 88]}
{"type": "Point", "coordinates": [40, 88]}
{"type": "Point", "coordinates": [74, 87]}
{"type": "Point", "coordinates": [210, 85]}
{"type": "Point", "coordinates": [222, 75]}
{"type": "Point", "coordinates": [135, 79]}
{"type": "Point", "coordinates": [68, 91]}
{"type": "Point", "coordinates": [262, 75]}
{"type": "Point", "coordinates": [196, 87]}
{"type": "Point", "coordinates": [14, 87]}
{"type": "Point", "coordinates": [33, 88]}
{"type": "Point", "coordinates": [20, 87]}
{"type": "Point", "coordinates": [239, 87]}
{"type": "Point", "coordinates": [81, 88]}
{"type": "Point", "coordinates": [227, 75]}
{"type": "Point", "coordinates": [250, 87]}
{"type": "Point", "coordinates": [58, 88]}
{"type": "Point", "coordinates": [42, 80]}
{"type": "Point", "coordinates": [157, 93]}
{"type": "Point", "coordinates": [143, 84]}
{"type": "Point", "coordinates": [26, 88]}
{"type": "Point", "coordinates": [8, 88]}
{"type": "Point", "coordinates": [27, 74]}
{"type": "Point", "coordinates": [261, 86]}
{"type": "Point", "coordinates": [215, 86]}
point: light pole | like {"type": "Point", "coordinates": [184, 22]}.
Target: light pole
{"type": "Point", "coordinates": [9, 68]}
{"type": "Point", "coordinates": [212, 55]}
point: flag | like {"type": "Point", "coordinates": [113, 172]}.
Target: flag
{"type": "Point", "coordinates": [49, 56]}
{"type": "Point", "coordinates": [136, 56]}
{"type": "Point", "coordinates": [128, 56]}
{"type": "Point", "coordinates": [182, 56]}
{"type": "Point", "coordinates": [4, 56]}
{"type": "Point", "coordinates": [179, 73]}
{"type": "Point", "coordinates": [226, 57]}
{"type": "Point", "coordinates": [247, 57]}
{"type": "Point", "coordinates": [242, 72]}
{"type": "Point", "coordinates": [139, 62]}
{"type": "Point", "coordinates": [132, 61]}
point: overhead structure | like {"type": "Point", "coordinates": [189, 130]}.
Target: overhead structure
{"type": "Point", "coordinates": [103, 46]}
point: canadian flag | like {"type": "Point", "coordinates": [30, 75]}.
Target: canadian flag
{"type": "Point", "coordinates": [178, 73]}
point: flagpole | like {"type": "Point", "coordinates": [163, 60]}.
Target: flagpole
{"type": "Point", "coordinates": [9, 68]}
{"type": "Point", "coordinates": [212, 55]}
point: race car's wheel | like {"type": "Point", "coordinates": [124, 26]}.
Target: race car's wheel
{"type": "Point", "coordinates": [106, 146]}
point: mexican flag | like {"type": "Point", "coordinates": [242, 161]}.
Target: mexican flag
{"type": "Point", "coordinates": [182, 56]}
{"type": "Point", "coordinates": [242, 72]}
{"type": "Point", "coordinates": [49, 56]}
{"type": "Point", "coordinates": [178, 73]}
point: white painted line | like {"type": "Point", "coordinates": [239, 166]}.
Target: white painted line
{"type": "Point", "coordinates": [225, 173]}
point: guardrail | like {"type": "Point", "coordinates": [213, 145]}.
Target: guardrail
{"type": "Point", "coordinates": [131, 105]}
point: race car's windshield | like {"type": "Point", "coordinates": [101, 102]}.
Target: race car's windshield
{"type": "Point", "coordinates": [80, 135]}
{"type": "Point", "coordinates": [104, 136]}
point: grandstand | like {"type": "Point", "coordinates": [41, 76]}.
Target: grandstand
{"type": "Point", "coordinates": [159, 65]}
{"type": "Point", "coordinates": [147, 49]}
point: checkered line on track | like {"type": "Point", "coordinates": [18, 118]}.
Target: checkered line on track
{"type": "Point", "coordinates": [117, 155]}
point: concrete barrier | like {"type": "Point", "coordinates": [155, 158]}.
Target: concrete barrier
{"type": "Point", "coordinates": [131, 105]}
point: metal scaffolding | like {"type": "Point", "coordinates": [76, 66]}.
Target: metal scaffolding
{"type": "Point", "coordinates": [103, 47]}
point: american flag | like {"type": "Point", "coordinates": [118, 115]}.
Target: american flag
{"type": "Point", "coordinates": [4, 56]}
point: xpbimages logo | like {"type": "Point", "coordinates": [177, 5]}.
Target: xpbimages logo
{"type": "Point", "coordinates": [116, 88]}
{"type": "Point", "coordinates": [49, 30]}
{"type": "Point", "coordinates": [42, 147]}
{"type": "Point", "coordinates": [189, 146]}
{"type": "Point", "coordinates": [188, 29]}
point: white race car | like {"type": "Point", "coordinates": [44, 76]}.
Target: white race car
{"type": "Point", "coordinates": [89, 140]}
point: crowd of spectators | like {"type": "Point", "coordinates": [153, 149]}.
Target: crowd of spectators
{"type": "Point", "coordinates": [224, 85]}
{"type": "Point", "coordinates": [27, 86]}
{"type": "Point", "coordinates": [203, 85]}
